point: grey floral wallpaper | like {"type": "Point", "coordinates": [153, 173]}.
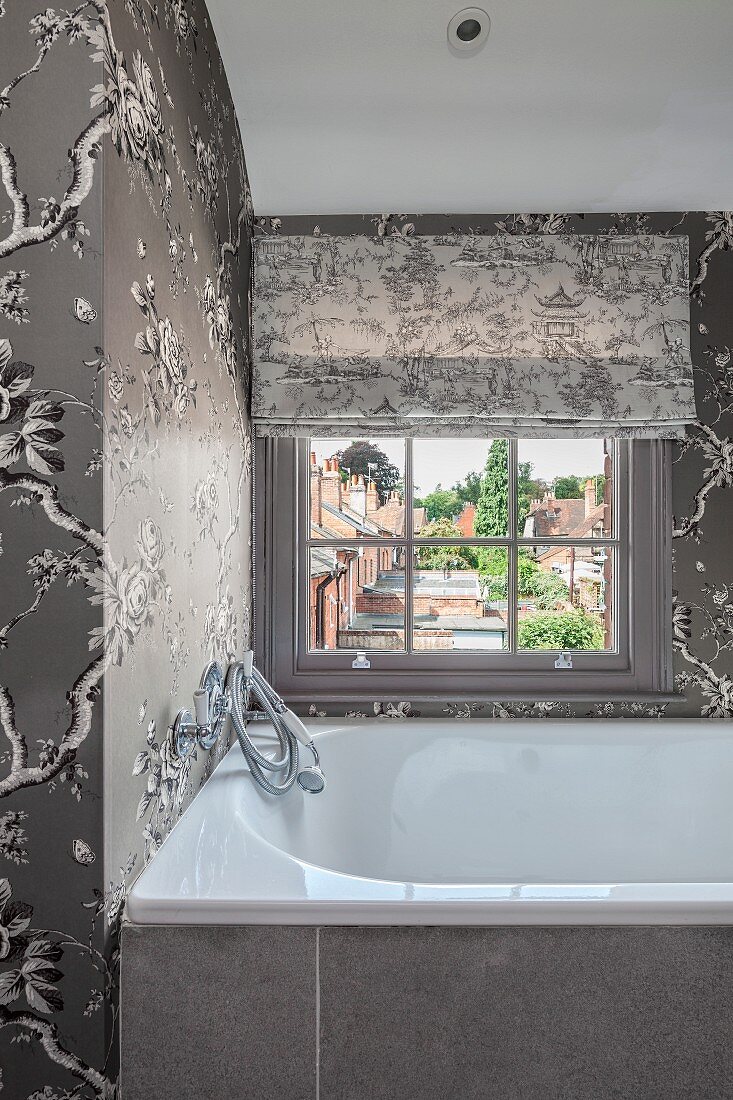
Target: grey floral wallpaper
{"type": "Point", "coordinates": [125, 470]}
{"type": "Point", "coordinates": [464, 334]}
{"type": "Point", "coordinates": [703, 462]}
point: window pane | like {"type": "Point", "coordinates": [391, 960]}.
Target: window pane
{"type": "Point", "coordinates": [460, 487]}
{"type": "Point", "coordinates": [564, 488]}
{"type": "Point", "coordinates": [564, 597]}
{"type": "Point", "coordinates": [357, 598]}
{"type": "Point", "coordinates": [357, 488]}
{"type": "Point", "coordinates": [457, 605]}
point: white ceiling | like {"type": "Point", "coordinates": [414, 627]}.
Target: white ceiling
{"type": "Point", "coordinates": [572, 105]}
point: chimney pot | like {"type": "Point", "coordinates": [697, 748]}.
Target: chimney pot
{"type": "Point", "coordinates": [331, 488]}
{"type": "Point", "coordinates": [372, 497]}
{"type": "Point", "coordinates": [313, 458]}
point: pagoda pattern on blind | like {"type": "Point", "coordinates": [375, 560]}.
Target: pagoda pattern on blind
{"type": "Point", "coordinates": [539, 335]}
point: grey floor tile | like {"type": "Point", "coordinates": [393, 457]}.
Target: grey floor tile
{"type": "Point", "coordinates": [526, 1014]}
{"type": "Point", "coordinates": [222, 1013]}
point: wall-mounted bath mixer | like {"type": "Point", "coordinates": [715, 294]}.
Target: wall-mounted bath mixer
{"type": "Point", "coordinates": [211, 706]}
{"type": "Point", "coordinates": [245, 685]}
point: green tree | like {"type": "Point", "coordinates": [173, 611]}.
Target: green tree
{"type": "Point", "coordinates": [469, 489]}
{"type": "Point", "coordinates": [492, 509]}
{"type": "Point", "coordinates": [570, 487]}
{"type": "Point", "coordinates": [492, 566]}
{"type": "Point", "coordinates": [545, 589]}
{"type": "Point", "coordinates": [492, 505]}
{"type": "Point", "coordinates": [364, 457]}
{"type": "Point", "coordinates": [527, 570]}
{"type": "Point", "coordinates": [441, 504]}
{"type": "Point", "coordinates": [445, 557]}
{"type": "Point", "coordinates": [529, 488]}
{"type": "Point", "coordinates": [492, 501]}
{"type": "Point", "coordinates": [561, 630]}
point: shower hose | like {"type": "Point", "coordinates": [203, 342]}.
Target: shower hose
{"type": "Point", "coordinates": [238, 686]}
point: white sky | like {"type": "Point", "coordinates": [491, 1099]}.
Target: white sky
{"type": "Point", "coordinates": [446, 461]}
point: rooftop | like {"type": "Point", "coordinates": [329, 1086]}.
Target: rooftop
{"type": "Point", "coordinates": [489, 624]}
{"type": "Point", "coordinates": [430, 582]}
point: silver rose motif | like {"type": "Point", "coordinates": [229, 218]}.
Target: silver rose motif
{"type": "Point", "coordinates": [115, 386]}
{"type": "Point", "coordinates": [221, 626]}
{"type": "Point", "coordinates": [150, 544]}
{"type": "Point", "coordinates": [126, 596]}
{"type": "Point", "coordinates": [169, 350]}
{"type": "Point", "coordinates": [148, 93]}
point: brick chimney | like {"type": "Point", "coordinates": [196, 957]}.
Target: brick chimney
{"type": "Point", "coordinates": [590, 496]}
{"type": "Point", "coordinates": [390, 511]}
{"type": "Point", "coordinates": [316, 517]}
{"type": "Point", "coordinates": [358, 495]}
{"type": "Point", "coordinates": [331, 482]}
{"type": "Point", "coordinates": [372, 498]}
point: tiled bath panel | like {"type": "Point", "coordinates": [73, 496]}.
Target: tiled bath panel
{"type": "Point", "coordinates": [218, 1012]}
{"type": "Point", "coordinates": [577, 1013]}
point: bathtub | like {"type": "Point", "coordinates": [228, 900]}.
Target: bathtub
{"type": "Point", "coordinates": [463, 823]}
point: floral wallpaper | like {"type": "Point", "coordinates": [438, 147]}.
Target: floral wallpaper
{"type": "Point", "coordinates": [702, 462]}
{"type": "Point", "coordinates": [125, 480]}
{"type": "Point", "coordinates": [467, 334]}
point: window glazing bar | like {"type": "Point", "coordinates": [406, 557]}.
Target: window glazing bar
{"type": "Point", "coordinates": [409, 552]}
{"type": "Point", "coordinates": [512, 556]}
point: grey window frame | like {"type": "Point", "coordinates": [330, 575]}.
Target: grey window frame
{"type": "Point", "coordinates": [639, 668]}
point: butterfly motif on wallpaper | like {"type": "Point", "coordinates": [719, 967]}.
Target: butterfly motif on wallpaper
{"type": "Point", "coordinates": [84, 311]}
{"type": "Point", "coordinates": [82, 853]}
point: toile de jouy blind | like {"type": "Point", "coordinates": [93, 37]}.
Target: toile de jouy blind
{"type": "Point", "coordinates": [541, 335]}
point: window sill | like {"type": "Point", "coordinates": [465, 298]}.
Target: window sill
{"type": "Point", "coordinates": [347, 697]}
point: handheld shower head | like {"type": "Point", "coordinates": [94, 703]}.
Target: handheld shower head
{"type": "Point", "coordinates": [311, 780]}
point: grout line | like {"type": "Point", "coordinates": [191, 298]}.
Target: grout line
{"type": "Point", "coordinates": [318, 1013]}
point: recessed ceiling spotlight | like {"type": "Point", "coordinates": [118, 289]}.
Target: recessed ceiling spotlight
{"type": "Point", "coordinates": [468, 31]}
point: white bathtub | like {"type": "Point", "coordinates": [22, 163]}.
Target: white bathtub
{"type": "Point", "coordinates": [450, 822]}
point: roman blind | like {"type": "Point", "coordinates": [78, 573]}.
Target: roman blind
{"type": "Point", "coordinates": [526, 335]}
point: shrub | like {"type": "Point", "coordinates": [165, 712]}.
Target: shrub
{"type": "Point", "coordinates": [547, 589]}
{"type": "Point", "coordinates": [561, 630]}
{"type": "Point", "coordinates": [494, 587]}
{"type": "Point", "coordinates": [445, 557]}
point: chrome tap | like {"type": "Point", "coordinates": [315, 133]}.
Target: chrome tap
{"type": "Point", "coordinates": [211, 706]}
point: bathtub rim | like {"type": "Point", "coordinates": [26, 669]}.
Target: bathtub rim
{"type": "Point", "coordinates": [624, 903]}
